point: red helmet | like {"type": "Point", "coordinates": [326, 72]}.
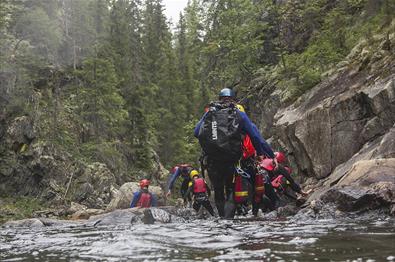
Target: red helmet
{"type": "Point", "coordinates": [144, 183]}
{"type": "Point", "coordinates": [289, 170]}
{"type": "Point", "coordinates": [280, 157]}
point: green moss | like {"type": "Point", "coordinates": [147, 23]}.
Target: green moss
{"type": "Point", "coordinates": [18, 208]}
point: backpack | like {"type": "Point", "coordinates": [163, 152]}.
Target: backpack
{"type": "Point", "coordinates": [220, 133]}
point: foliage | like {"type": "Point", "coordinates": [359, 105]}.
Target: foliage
{"type": "Point", "coordinates": [110, 81]}
{"type": "Point", "coordinates": [18, 208]}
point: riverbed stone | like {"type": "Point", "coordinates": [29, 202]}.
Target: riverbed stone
{"type": "Point", "coordinates": [369, 184]}
{"type": "Point", "coordinates": [31, 222]}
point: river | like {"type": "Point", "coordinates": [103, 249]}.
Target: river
{"type": "Point", "coordinates": [205, 240]}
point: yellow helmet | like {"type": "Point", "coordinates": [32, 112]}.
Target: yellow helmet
{"type": "Point", "coordinates": [241, 108]}
{"type": "Point", "coordinates": [194, 173]}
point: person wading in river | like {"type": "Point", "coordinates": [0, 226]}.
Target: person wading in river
{"type": "Point", "coordinates": [201, 193]}
{"type": "Point", "coordinates": [220, 132]}
{"type": "Point", "coordinates": [184, 171]}
{"type": "Point", "coordinates": [144, 198]}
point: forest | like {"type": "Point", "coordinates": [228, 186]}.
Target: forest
{"type": "Point", "coordinates": [113, 81]}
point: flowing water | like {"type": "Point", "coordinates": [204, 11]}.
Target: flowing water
{"type": "Point", "coordinates": [201, 240]}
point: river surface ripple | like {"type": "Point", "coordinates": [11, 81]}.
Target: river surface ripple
{"type": "Point", "coordinates": [205, 240]}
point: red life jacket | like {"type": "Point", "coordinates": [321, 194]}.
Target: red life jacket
{"type": "Point", "coordinates": [259, 187]}
{"type": "Point", "coordinates": [277, 182]}
{"type": "Point", "coordinates": [267, 164]}
{"type": "Point", "coordinates": [199, 186]}
{"type": "Point", "coordinates": [241, 189]}
{"type": "Point", "coordinates": [248, 147]}
{"type": "Point", "coordinates": [144, 200]}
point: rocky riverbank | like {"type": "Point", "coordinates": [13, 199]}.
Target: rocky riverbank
{"type": "Point", "coordinates": [339, 136]}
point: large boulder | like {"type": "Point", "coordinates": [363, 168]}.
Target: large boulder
{"type": "Point", "coordinates": [94, 186]}
{"type": "Point", "coordinates": [367, 185]}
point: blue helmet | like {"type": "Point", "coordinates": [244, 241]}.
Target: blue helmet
{"type": "Point", "coordinates": [227, 92]}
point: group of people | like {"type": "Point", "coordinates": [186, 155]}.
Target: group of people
{"type": "Point", "coordinates": [241, 165]}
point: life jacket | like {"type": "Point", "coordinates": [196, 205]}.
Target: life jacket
{"type": "Point", "coordinates": [267, 164]}
{"type": "Point", "coordinates": [199, 186]}
{"type": "Point", "coordinates": [278, 181]}
{"type": "Point", "coordinates": [145, 199]}
{"type": "Point", "coordinates": [241, 188]}
{"type": "Point", "coordinates": [220, 133]}
{"type": "Point", "coordinates": [248, 147]}
{"type": "Point", "coordinates": [259, 185]}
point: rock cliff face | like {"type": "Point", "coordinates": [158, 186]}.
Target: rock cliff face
{"type": "Point", "coordinates": [32, 167]}
{"type": "Point", "coordinates": [341, 133]}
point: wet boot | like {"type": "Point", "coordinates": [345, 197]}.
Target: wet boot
{"type": "Point", "coordinates": [230, 207]}
{"type": "Point", "coordinates": [220, 208]}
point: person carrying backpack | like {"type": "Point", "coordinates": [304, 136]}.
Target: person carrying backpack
{"type": "Point", "coordinates": [144, 198]}
{"type": "Point", "coordinates": [220, 132]}
{"type": "Point", "coordinates": [201, 192]}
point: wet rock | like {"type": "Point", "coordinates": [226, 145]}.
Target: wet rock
{"type": "Point", "coordinates": [120, 216]}
{"type": "Point", "coordinates": [161, 215]}
{"type": "Point", "coordinates": [288, 210]}
{"type": "Point", "coordinates": [369, 184]}
{"type": "Point", "coordinates": [32, 222]}
{"type": "Point", "coordinates": [123, 196]}
{"type": "Point", "coordinates": [86, 213]}
{"type": "Point", "coordinates": [185, 213]}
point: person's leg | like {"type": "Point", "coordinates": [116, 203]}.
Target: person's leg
{"type": "Point", "coordinates": [227, 173]}
{"type": "Point", "coordinates": [271, 194]}
{"type": "Point", "coordinates": [196, 205]}
{"type": "Point", "coordinates": [183, 191]}
{"type": "Point", "coordinates": [218, 186]}
{"type": "Point", "coordinates": [208, 207]}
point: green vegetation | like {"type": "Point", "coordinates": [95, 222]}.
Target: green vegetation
{"type": "Point", "coordinates": [18, 208]}
{"type": "Point", "coordinates": [109, 81]}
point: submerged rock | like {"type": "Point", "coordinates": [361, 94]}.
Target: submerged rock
{"type": "Point", "coordinates": [31, 222]}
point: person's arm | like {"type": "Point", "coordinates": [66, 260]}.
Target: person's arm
{"type": "Point", "coordinates": [260, 144]}
{"type": "Point", "coordinates": [197, 127]}
{"type": "Point", "coordinates": [135, 199]}
{"type": "Point", "coordinates": [173, 178]}
{"type": "Point", "coordinates": [190, 188]}
{"type": "Point", "coordinates": [294, 186]}
{"type": "Point", "coordinates": [154, 200]}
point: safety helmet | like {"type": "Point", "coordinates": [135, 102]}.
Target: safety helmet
{"type": "Point", "coordinates": [194, 173]}
{"type": "Point", "coordinates": [241, 108]}
{"type": "Point", "coordinates": [227, 92]}
{"type": "Point", "coordinates": [280, 157]}
{"type": "Point", "coordinates": [144, 183]}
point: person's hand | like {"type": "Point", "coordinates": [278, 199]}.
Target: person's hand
{"type": "Point", "coordinates": [305, 193]}
{"type": "Point", "coordinates": [168, 194]}
{"type": "Point", "coordinates": [275, 163]}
